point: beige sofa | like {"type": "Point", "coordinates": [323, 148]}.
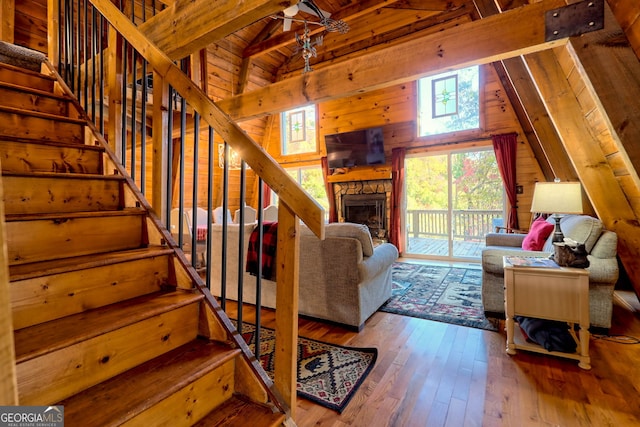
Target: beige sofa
{"type": "Point", "coordinates": [343, 278]}
{"type": "Point", "coordinates": [603, 269]}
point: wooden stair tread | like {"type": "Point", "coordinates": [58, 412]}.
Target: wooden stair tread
{"type": "Point", "coordinates": [141, 387]}
{"type": "Point", "coordinates": [60, 144]}
{"type": "Point", "coordinates": [64, 175]}
{"type": "Point", "coordinates": [47, 337]}
{"type": "Point", "coordinates": [45, 268]}
{"type": "Point", "coordinates": [237, 412]}
{"type": "Point", "coordinates": [34, 91]}
{"type": "Point", "coordinates": [46, 116]}
{"type": "Point", "coordinates": [69, 215]}
{"type": "Point", "coordinates": [25, 71]}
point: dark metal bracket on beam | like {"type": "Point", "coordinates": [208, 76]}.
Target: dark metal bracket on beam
{"type": "Point", "coordinates": [574, 20]}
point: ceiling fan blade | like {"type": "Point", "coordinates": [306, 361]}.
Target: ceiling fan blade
{"type": "Point", "coordinates": [310, 7]}
{"type": "Point", "coordinates": [291, 11]}
{"type": "Point", "coordinates": [286, 26]}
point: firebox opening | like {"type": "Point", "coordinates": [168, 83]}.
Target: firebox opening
{"type": "Point", "coordinates": [367, 209]}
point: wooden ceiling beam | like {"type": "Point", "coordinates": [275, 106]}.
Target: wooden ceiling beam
{"type": "Point", "coordinates": [596, 174]}
{"type": "Point", "coordinates": [497, 37]}
{"type": "Point", "coordinates": [529, 108]}
{"type": "Point", "coordinates": [620, 100]}
{"type": "Point", "coordinates": [627, 14]}
{"type": "Point", "coordinates": [190, 25]}
{"type": "Point", "coordinates": [545, 141]}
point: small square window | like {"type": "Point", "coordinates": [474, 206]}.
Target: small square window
{"type": "Point", "coordinates": [297, 128]}
{"type": "Point", "coordinates": [449, 102]}
{"type": "Point", "coordinates": [445, 96]}
{"type": "Point", "coordinates": [298, 131]}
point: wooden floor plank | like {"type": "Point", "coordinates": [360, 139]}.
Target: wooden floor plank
{"type": "Point", "coordinates": [430, 373]}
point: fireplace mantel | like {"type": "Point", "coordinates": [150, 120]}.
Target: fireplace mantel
{"type": "Point", "coordinates": [363, 173]}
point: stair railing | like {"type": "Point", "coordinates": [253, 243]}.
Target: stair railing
{"type": "Point", "coordinates": [100, 54]}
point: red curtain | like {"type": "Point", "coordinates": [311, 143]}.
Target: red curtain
{"type": "Point", "coordinates": [333, 214]}
{"type": "Point", "coordinates": [266, 195]}
{"type": "Point", "coordinates": [504, 147]}
{"type": "Point", "coordinates": [397, 181]}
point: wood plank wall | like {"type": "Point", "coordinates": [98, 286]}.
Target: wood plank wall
{"type": "Point", "coordinates": [31, 24]}
{"type": "Point", "coordinates": [394, 108]}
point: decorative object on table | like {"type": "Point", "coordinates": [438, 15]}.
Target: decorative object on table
{"type": "Point", "coordinates": [328, 374]}
{"type": "Point", "coordinates": [530, 261]}
{"type": "Point", "coordinates": [444, 294]}
{"type": "Point", "coordinates": [570, 253]}
{"type": "Point", "coordinates": [557, 198]}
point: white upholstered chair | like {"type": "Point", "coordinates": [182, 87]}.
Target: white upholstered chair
{"type": "Point", "coordinates": [218, 215]}
{"type": "Point", "coordinates": [175, 224]}
{"type": "Point", "coordinates": [249, 215]}
{"type": "Point", "coordinates": [270, 213]}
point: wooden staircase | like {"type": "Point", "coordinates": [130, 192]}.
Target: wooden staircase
{"type": "Point", "coordinates": [108, 318]}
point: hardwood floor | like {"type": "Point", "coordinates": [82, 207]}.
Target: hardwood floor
{"type": "Point", "coordinates": [436, 374]}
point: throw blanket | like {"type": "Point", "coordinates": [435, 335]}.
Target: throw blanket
{"type": "Point", "coordinates": [269, 243]}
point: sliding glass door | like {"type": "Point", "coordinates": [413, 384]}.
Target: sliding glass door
{"type": "Point", "coordinates": [453, 200]}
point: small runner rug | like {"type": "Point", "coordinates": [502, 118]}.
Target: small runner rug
{"type": "Point", "coordinates": [444, 294]}
{"type": "Point", "coordinates": [328, 374]}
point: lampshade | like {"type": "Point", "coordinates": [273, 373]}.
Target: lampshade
{"type": "Point", "coordinates": [557, 198]}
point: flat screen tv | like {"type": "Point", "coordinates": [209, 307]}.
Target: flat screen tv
{"type": "Point", "coordinates": [357, 148]}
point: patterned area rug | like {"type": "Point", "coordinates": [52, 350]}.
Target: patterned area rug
{"type": "Point", "coordinates": [445, 294]}
{"type": "Point", "coordinates": [327, 374]}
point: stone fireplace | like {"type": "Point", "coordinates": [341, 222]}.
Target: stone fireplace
{"type": "Point", "coordinates": [365, 202]}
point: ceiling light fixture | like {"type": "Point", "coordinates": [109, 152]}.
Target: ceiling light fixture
{"type": "Point", "coordinates": [306, 44]}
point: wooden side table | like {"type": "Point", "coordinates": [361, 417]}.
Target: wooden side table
{"type": "Point", "coordinates": [552, 293]}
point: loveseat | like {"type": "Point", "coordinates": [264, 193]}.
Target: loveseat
{"type": "Point", "coordinates": [600, 244]}
{"type": "Point", "coordinates": [343, 278]}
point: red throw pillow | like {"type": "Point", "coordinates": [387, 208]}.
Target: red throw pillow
{"type": "Point", "coordinates": [540, 231]}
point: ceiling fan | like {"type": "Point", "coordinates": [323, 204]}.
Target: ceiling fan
{"type": "Point", "coordinates": [308, 6]}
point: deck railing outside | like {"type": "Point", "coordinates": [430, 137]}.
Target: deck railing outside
{"type": "Point", "coordinates": [470, 225]}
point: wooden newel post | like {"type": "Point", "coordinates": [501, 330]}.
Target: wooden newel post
{"type": "Point", "coordinates": [53, 32]}
{"type": "Point", "coordinates": [286, 345]}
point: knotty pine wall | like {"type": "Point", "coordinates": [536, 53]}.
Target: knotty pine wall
{"type": "Point", "coordinates": [30, 27]}
{"type": "Point", "coordinates": [394, 108]}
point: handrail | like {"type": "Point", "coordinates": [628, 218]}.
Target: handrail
{"type": "Point", "coordinates": [309, 211]}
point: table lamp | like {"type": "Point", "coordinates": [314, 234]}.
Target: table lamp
{"type": "Point", "coordinates": [557, 198]}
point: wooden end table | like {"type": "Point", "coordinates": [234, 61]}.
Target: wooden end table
{"type": "Point", "coordinates": [545, 291]}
